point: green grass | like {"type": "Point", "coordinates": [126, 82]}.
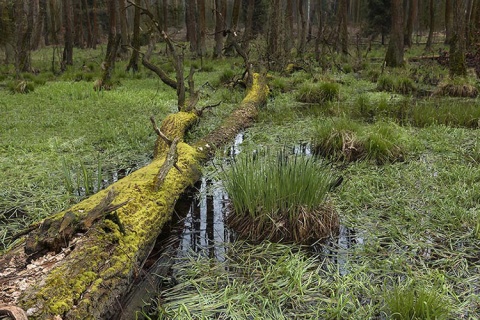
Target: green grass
{"type": "Point", "coordinates": [318, 92]}
{"type": "Point", "coordinates": [280, 197]}
{"type": "Point", "coordinates": [348, 140]}
{"type": "Point", "coordinates": [416, 303]}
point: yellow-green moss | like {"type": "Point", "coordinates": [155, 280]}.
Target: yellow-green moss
{"type": "Point", "coordinates": [258, 92]}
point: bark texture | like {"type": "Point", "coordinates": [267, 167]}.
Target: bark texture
{"type": "Point", "coordinates": [77, 263]}
{"type": "Point", "coordinates": [394, 56]}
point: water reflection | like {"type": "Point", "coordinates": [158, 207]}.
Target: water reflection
{"type": "Point", "coordinates": [204, 229]}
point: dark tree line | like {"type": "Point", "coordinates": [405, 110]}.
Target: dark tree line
{"type": "Point", "coordinates": [289, 27]}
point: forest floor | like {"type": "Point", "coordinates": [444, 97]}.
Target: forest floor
{"type": "Point", "coordinates": [410, 227]}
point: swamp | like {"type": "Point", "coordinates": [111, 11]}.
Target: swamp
{"type": "Point", "coordinates": [325, 178]}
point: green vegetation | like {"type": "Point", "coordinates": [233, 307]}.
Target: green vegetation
{"type": "Point", "coordinates": [416, 303]}
{"type": "Point", "coordinates": [280, 198]}
{"type": "Point", "coordinates": [347, 140]}
{"type": "Point", "coordinates": [415, 222]}
{"type": "Point", "coordinates": [318, 92]}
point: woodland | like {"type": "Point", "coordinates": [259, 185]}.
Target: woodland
{"type": "Point", "coordinates": [239, 159]}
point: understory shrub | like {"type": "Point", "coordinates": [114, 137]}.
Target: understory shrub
{"type": "Point", "coordinates": [280, 198]}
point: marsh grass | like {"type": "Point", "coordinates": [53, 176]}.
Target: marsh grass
{"type": "Point", "coordinates": [348, 140]}
{"type": "Point", "coordinates": [318, 92]}
{"type": "Point", "coordinates": [411, 302]}
{"type": "Point", "coordinates": [280, 198]}
{"type": "Point", "coordinates": [395, 83]}
{"type": "Point", "coordinates": [266, 281]}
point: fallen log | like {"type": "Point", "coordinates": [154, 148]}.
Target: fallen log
{"type": "Point", "coordinates": [78, 263]}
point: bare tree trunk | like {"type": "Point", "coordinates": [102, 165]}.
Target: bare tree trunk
{"type": "Point", "coordinates": [342, 26]}
{"type": "Point", "coordinates": [232, 34]}
{"type": "Point", "coordinates": [220, 26]}
{"type": "Point", "coordinates": [458, 43]}
{"type": "Point", "coordinates": [469, 24]}
{"type": "Point", "coordinates": [394, 55]}
{"type": "Point", "coordinates": [23, 26]}
{"type": "Point", "coordinates": [302, 37]}
{"type": "Point", "coordinates": [88, 27]}
{"type": "Point", "coordinates": [319, 37]}
{"type": "Point", "coordinates": [122, 22]}
{"type": "Point", "coordinates": [190, 21]}
{"type": "Point", "coordinates": [96, 31]}
{"type": "Point", "coordinates": [448, 21]}
{"type": "Point", "coordinates": [37, 25]}
{"type": "Point", "coordinates": [412, 16]}
{"type": "Point", "coordinates": [79, 40]}
{"type": "Point", "coordinates": [67, 58]}
{"type": "Point", "coordinates": [428, 46]}
{"type": "Point", "coordinates": [289, 27]}
{"type": "Point", "coordinates": [53, 21]}
{"type": "Point", "coordinates": [248, 32]}
{"type": "Point", "coordinates": [133, 63]}
{"type": "Point", "coordinates": [202, 47]}
{"type": "Point", "coordinates": [114, 39]}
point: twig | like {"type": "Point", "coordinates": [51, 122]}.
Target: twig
{"type": "Point", "coordinates": [160, 133]}
{"type": "Point", "coordinates": [170, 161]}
{"type": "Point", "coordinates": [200, 112]}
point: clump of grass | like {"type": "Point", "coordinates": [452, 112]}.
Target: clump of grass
{"type": "Point", "coordinates": [455, 89]}
{"type": "Point", "coordinates": [21, 86]}
{"type": "Point", "coordinates": [415, 303]}
{"type": "Point", "coordinates": [280, 198]}
{"type": "Point", "coordinates": [347, 140]}
{"type": "Point", "coordinates": [395, 83]}
{"type": "Point", "coordinates": [318, 92]}
{"type": "Point", "coordinates": [266, 281]}
{"type": "Point", "coordinates": [454, 113]}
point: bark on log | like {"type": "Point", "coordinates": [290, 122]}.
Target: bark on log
{"type": "Point", "coordinates": [88, 273]}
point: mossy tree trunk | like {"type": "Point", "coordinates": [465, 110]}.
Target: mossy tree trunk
{"type": "Point", "coordinates": [77, 263]}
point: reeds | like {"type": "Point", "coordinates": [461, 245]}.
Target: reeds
{"type": "Point", "coordinates": [318, 92]}
{"type": "Point", "coordinates": [280, 198]}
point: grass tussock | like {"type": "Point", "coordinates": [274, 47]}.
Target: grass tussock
{"type": "Point", "coordinates": [318, 92]}
{"type": "Point", "coordinates": [347, 140]}
{"type": "Point", "coordinates": [280, 198]}
{"type": "Point", "coordinates": [392, 83]}
{"type": "Point", "coordinates": [415, 303]}
{"type": "Point", "coordinates": [464, 90]}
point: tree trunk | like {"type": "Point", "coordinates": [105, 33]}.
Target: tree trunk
{"type": "Point", "coordinates": [133, 63]}
{"type": "Point", "coordinates": [448, 21]}
{"type": "Point", "coordinates": [342, 27]}
{"type": "Point", "coordinates": [428, 46]}
{"type": "Point", "coordinates": [412, 16]}
{"type": "Point", "coordinates": [469, 23]}
{"type": "Point", "coordinates": [457, 64]}
{"type": "Point", "coordinates": [68, 36]}
{"type": "Point", "coordinates": [79, 36]}
{"type": "Point", "coordinates": [53, 21]}
{"type": "Point", "coordinates": [248, 32]}
{"type": "Point", "coordinates": [86, 13]}
{"type": "Point", "coordinates": [289, 28]}
{"type": "Point", "coordinates": [202, 47]}
{"type": "Point", "coordinates": [83, 259]}
{"type": "Point", "coordinates": [274, 53]}
{"type": "Point", "coordinates": [394, 55]}
{"type": "Point", "coordinates": [232, 34]}
{"type": "Point", "coordinates": [190, 21]}
{"type": "Point", "coordinates": [23, 26]}
{"type": "Point", "coordinates": [302, 37]}
{"type": "Point", "coordinates": [319, 38]}
{"type": "Point", "coordinates": [122, 23]}
{"type": "Point", "coordinates": [37, 25]}
{"type": "Point", "coordinates": [96, 32]}
{"type": "Point", "coordinates": [114, 39]}
{"type": "Point", "coordinates": [220, 26]}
